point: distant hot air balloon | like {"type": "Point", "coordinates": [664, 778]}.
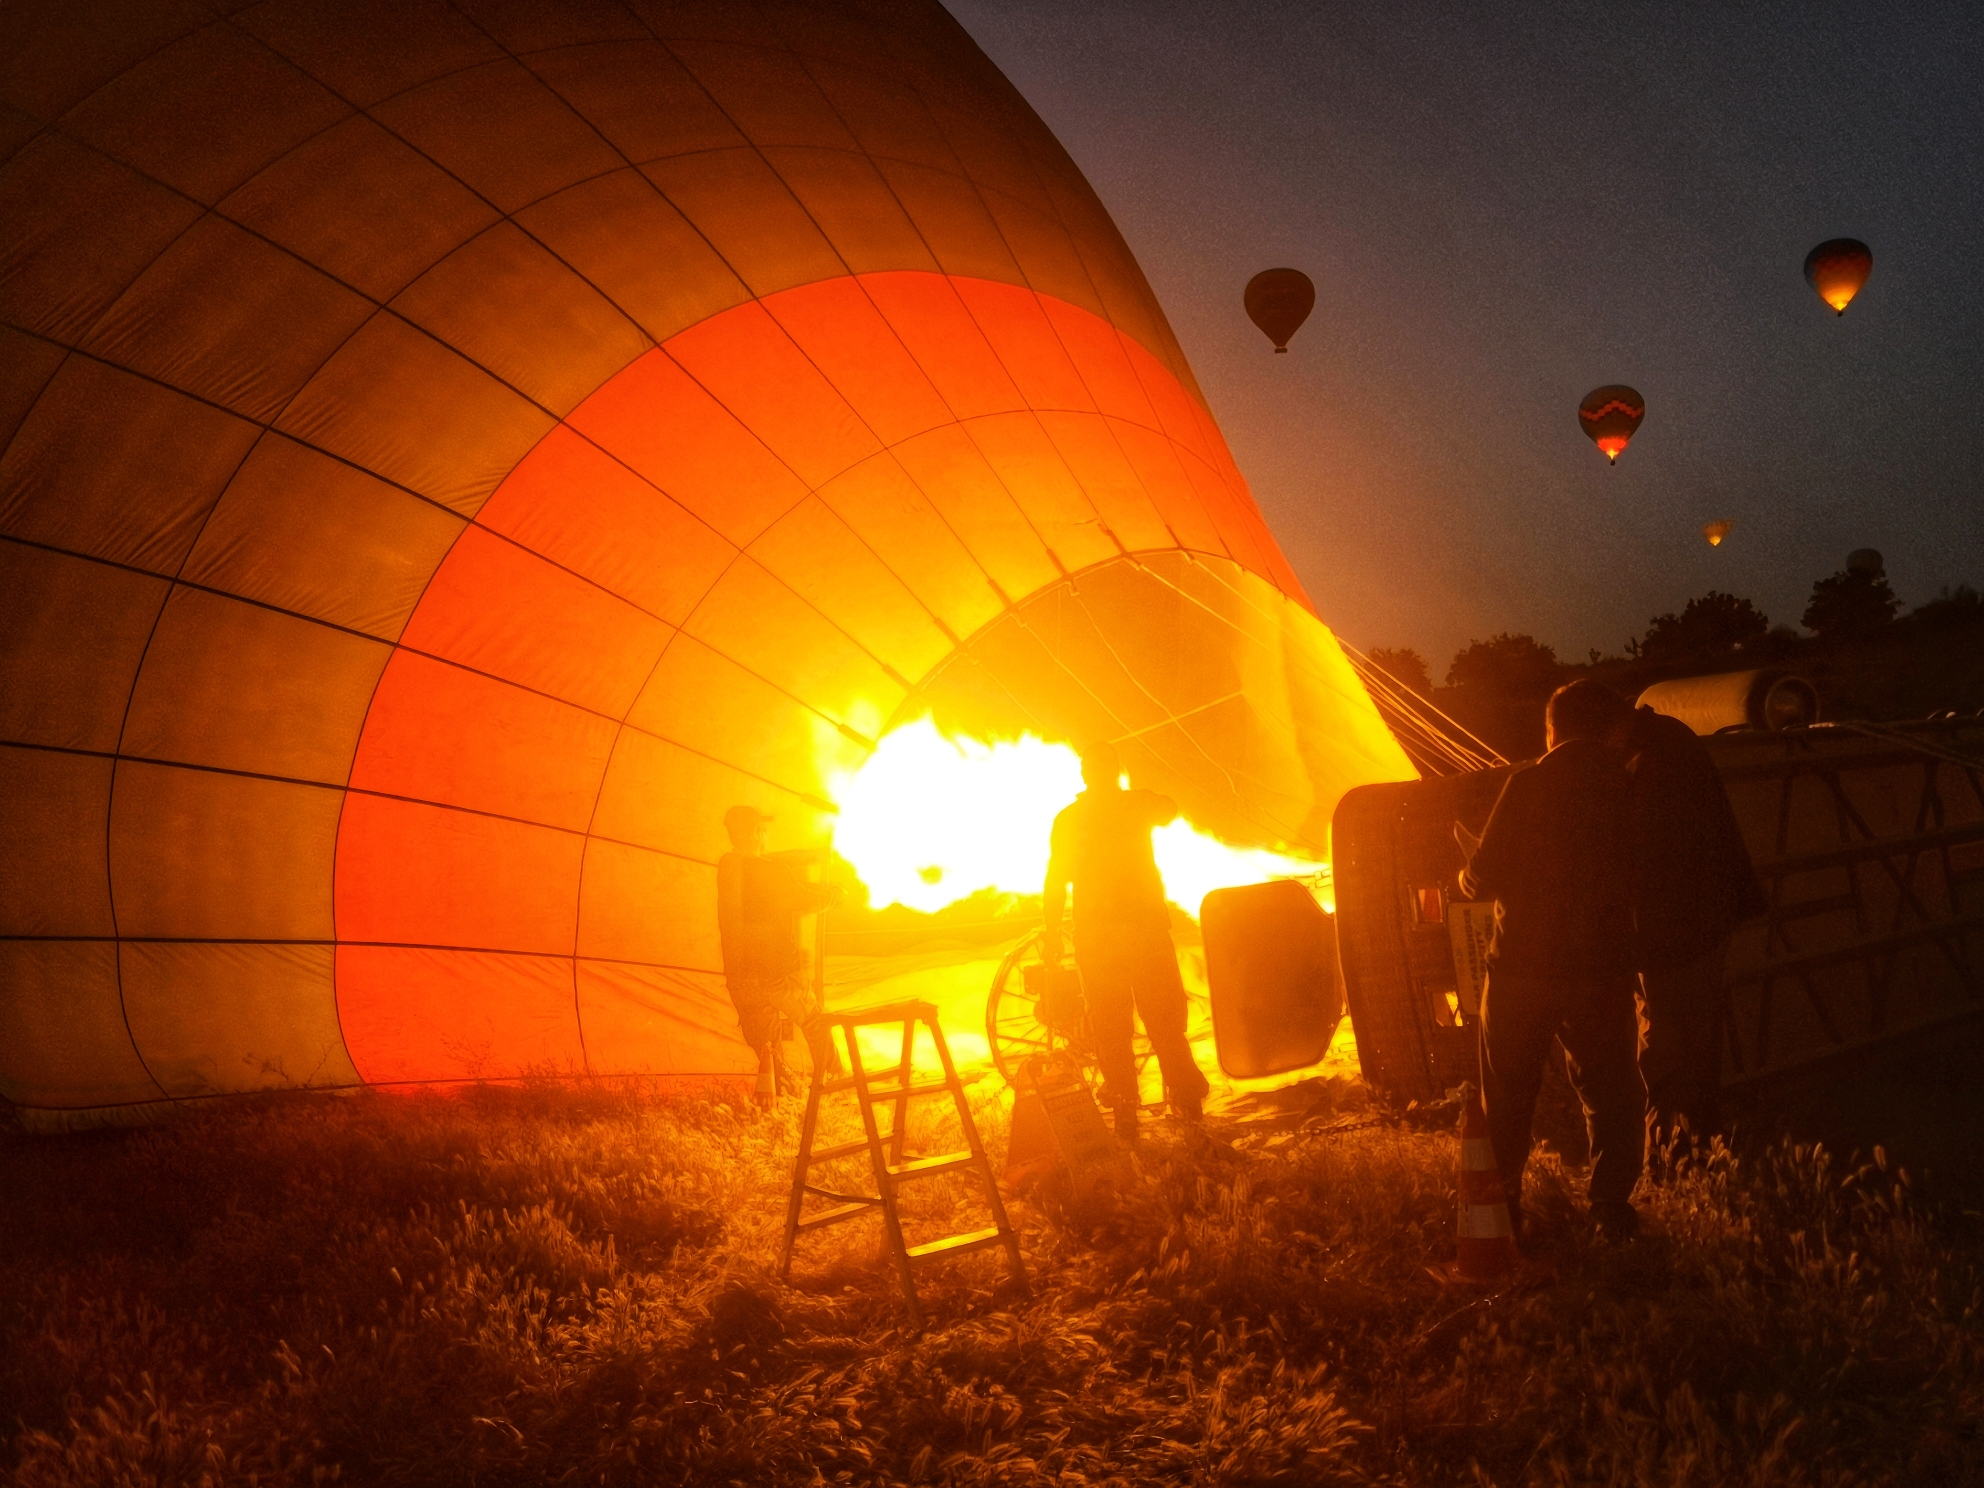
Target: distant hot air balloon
{"type": "Point", "coordinates": [1278, 301]}
{"type": "Point", "coordinates": [1837, 268]}
{"type": "Point", "coordinates": [1866, 561]}
{"type": "Point", "coordinates": [1715, 532]}
{"type": "Point", "coordinates": [1609, 416]}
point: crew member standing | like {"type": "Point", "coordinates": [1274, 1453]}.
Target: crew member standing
{"type": "Point", "coordinates": [1101, 848]}
{"type": "Point", "coordinates": [1693, 884]}
{"type": "Point", "coordinates": [760, 900]}
{"type": "Point", "coordinates": [1553, 858]}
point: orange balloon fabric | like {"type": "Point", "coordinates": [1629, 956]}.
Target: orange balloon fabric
{"type": "Point", "coordinates": [454, 452]}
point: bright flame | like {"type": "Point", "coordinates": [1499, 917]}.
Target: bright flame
{"type": "Point", "coordinates": [1193, 864]}
{"type": "Point", "coordinates": [1840, 296]}
{"type": "Point", "coordinates": [1614, 445]}
{"type": "Point", "coordinates": [929, 820]}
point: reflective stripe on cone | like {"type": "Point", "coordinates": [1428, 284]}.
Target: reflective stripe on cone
{"type": "Point", "coordinates": [1486, 1244]}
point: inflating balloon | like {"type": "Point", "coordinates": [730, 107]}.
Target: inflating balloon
{"type": "Point", "coordinates": [1866, 561]}
{"type": "Point", "coordinates": [1278, 301]}
{"type": "Point", "coordinates": [1715, 532]}
{"type": "Point", "coordinates": [1837, 269]}
{"type": "Point", "coordinates": [443, 523]}
{"type": "Point", "coordinates": [1609, 416]}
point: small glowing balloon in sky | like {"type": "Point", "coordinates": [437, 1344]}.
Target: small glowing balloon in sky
{"type": "Point", "coordinates": [1609, 416]}
{"type": "Point", "coordinates": [1715, 532]}
{"type": "Point", "coordinates": [1837, 269]}
{"type": "Point", "coordinates": [929, 820]}
{"type": "Point", "coordinates": [1278, 301]}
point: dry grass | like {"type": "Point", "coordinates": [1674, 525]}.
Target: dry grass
{"type": "Point", "coordinates": [540, 1285]}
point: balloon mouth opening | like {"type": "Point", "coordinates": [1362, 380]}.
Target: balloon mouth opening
{"type": "Point", "coordinates": [1612, 446]}
{"type": "Point", "coordinates": [1281, 351]}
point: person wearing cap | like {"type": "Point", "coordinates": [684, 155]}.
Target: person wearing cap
{"type": "Point", "coordinates": [760, 900]}
{"type": "Point", "coordinates": [1101, 849]}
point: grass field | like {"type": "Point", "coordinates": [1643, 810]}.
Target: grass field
{"type": "Point", "coordinates": [553, 1285]}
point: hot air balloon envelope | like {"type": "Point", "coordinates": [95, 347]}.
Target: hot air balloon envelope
{"type": "Point", "coordinates": [1837, 269]}
{"type": "Point", "coordinates": [1715, 532]}
{"type": "Point", "coordinates": [1278, 301]}
{"type": "Point", "coordinates": [441, 523]}
{"type": "Point", "coordinates": [1609, 416]}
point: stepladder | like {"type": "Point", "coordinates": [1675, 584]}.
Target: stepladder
{"type": "Point", "coordinates": [891, 1087]}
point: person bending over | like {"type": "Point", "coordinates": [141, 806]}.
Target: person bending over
{"type": "Point", "coordinates": [1554, 859]}
{"type": "Point", "coordinates": [1101, 849]}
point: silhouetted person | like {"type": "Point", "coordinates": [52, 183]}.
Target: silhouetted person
{"type": "Point", "coordinates": [1693, 884]}
{"type": "Point", "coordinates": [1101, 848]}
{"type": "Point", "coordinates": [760, 901]}
{"type": "Point", "coordinates": [1554, 859]}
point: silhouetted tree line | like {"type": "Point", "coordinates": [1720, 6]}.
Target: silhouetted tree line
{"type": "Point", "coordinates": [1497, 685]}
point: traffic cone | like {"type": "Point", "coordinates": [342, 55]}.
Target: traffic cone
{"type": "Point", "coordinates": [1487, 1241]}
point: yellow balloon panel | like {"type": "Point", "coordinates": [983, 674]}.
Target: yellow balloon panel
{"type": "Point", "coordinates": [203, 854]}
{"type": "Point", "coordinates": [215, 1018]}
{"type": "Point", "coordinates": [53, 818]}
{"type": "Point", "coordinates": [303, 533]}
{"type": "Point", "coordinates": [76, 632]}
{"type": "Point", "coordinates": [62, 1027]}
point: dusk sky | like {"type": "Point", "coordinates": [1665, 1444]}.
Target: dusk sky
{"type": "Point", "coordinates": [1504, 207]}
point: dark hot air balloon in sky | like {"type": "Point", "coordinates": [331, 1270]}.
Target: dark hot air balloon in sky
{"type": "Point", "coordinates": [1866, 561]}
{"type": "Point", "coordinates": [1838, 269]}
{"type": "Point", "coordinates": [1715, 532]}
{"type": "Point", "coordinates": [1609, 416]}
{"type": "Point", "coordinates": [1278, 301]}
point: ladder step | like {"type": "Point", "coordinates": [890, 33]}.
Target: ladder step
{"type": "Point", "coordinates": [958, 1244]}
{"type": "Point", "coordinates": [923, 1167]}
{"type": "Point", "coordinates": [845, 1149]}
{"type": "Point", "coordinates": [834, 1216]}
{"type": "Point", "coordinates": [877, 1094]}
{"type": "Point", "coordinates": [895, 1012]}
{"type": "Point", "coordinates": [840, 1198]}
{"type": "Point", "coordinates": [890, 1092]}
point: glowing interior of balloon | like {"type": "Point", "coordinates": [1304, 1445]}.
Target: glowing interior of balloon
{"type": "Point", "coordinates": [1613, 444]}
{"type": "Point", "coordinates": [929, 820]}
{"type": "Point", "coordinates": [1839, 295]}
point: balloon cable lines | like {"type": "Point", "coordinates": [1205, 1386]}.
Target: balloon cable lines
{"type": "Point", "coordinates": [1431, 737]}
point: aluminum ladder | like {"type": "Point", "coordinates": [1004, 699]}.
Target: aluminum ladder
{"type": "Point", "coordinates": [891, 1166]}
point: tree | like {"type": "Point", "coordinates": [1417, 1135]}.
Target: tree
{"type": "Point", "coordinates": [1709, 628]}
{"type": "Point", "coordinates": [1405, 666]}
{"type": "Point", "coordinates": [1851, 604]}
{"type": "Point", "coordinates": [1950, 608]}
{"type": "Point", "coordinates": [1514, 666]}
